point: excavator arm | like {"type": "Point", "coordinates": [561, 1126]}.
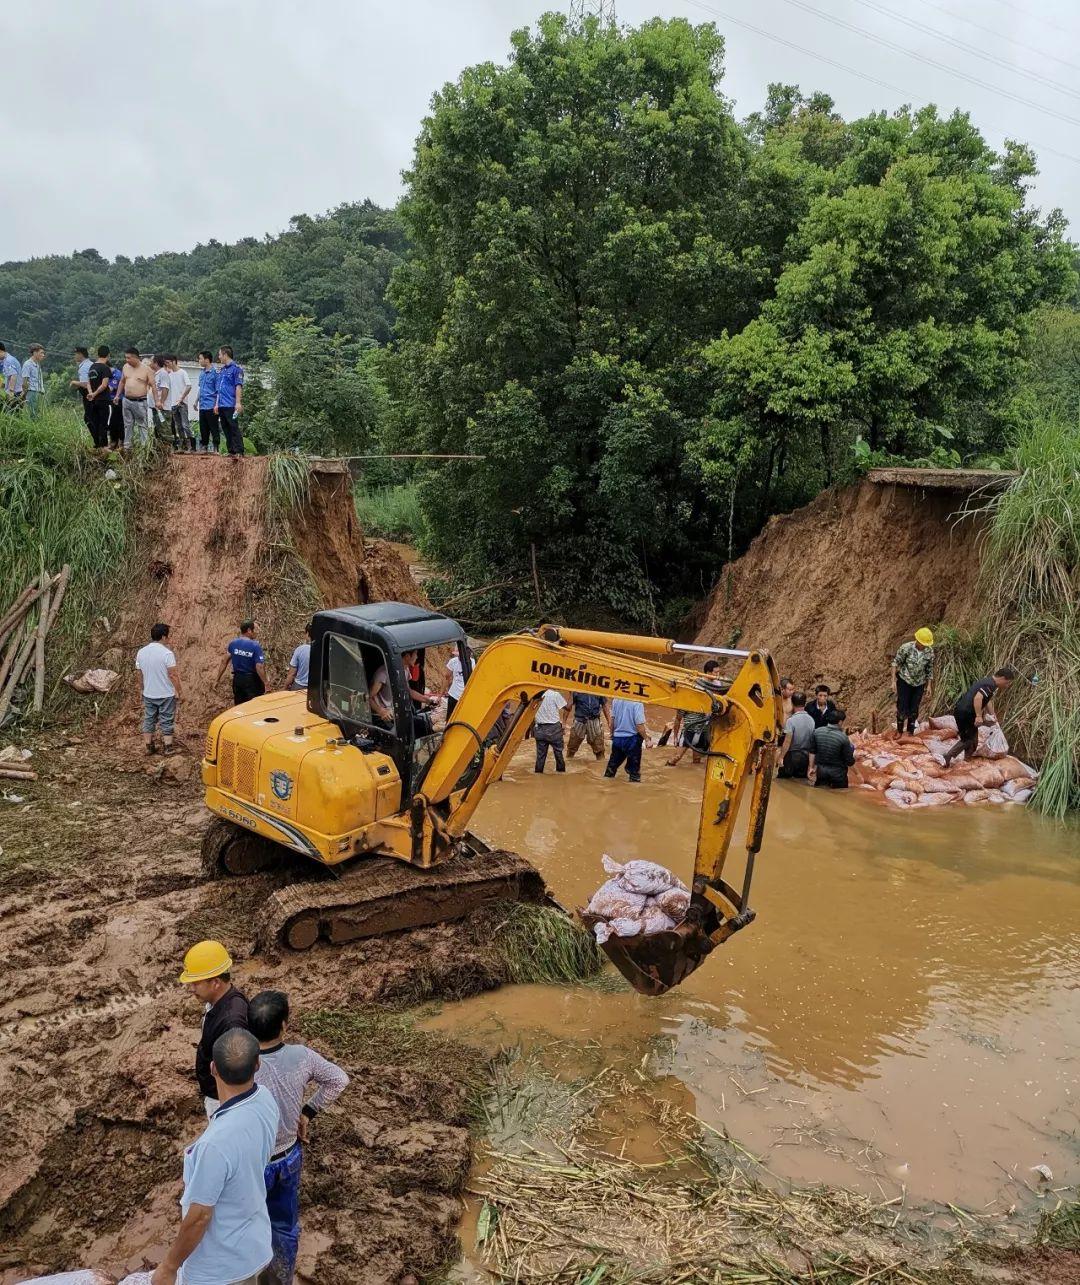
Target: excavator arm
{"type": "Point", "coordinates": [744, 714]}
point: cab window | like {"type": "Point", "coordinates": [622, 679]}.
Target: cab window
{"type": "Point", "coordinates": [347, 681]}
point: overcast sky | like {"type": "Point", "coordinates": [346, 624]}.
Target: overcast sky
{"type": "Point", "coordinates": [138, 127]}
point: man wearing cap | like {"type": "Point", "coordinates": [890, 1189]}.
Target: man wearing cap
{"type": "Point", "coordinates": [912, 678]}
{"type": "Point", "coordinates": [207, 974]}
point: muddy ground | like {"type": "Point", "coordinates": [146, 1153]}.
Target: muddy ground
{"type": "Point", "coordinates": [100, 894]}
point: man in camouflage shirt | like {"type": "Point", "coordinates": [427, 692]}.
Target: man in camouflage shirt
{"type": "Point", "coordinates": [912, 677]}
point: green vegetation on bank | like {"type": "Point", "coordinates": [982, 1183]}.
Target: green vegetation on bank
{"type": "Point", "coordinates": [57, 506]}
{"type": "Point", "coordinates": [392, 511]}
{"type": "Point", "coordinates": [659, 325]}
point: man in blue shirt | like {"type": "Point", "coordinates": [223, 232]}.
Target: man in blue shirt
{"type": "Point", "coordinates": [10, 373]}
{"type": "Point", "coordinates": [230, 400]}
{"type": "Point", "coordinates": [296, 680]}
{"type": "Point", "coordinates": [225, 1232]}
{"type": "Point", "coordinates": [628, 734]}
{"type": "Point", "coordinates": [33, 383]}
{"type": "Point", "coordinates": [209, 424]}
{"type": "Point", "coordinates": [248, 665]}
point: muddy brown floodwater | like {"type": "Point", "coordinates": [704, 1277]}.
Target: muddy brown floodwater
{"type": "Point", "coordinates": [903, 1016]}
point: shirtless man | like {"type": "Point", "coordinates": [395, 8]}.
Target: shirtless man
{"type": "Point", "coordinates": [136, 384]}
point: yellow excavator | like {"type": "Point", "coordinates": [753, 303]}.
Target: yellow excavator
{"type": "Point", "coordinates": [379, 802]}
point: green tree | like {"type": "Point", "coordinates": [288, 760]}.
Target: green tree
{"type": "Point", "coordinates": [326, 396]}
{"type": "Point", "coordinates": [576, 220]}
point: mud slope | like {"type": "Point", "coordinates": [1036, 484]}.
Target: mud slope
{"type": "Point", "coordinates": [210, 553]}
{"type": "Point", "coordinates": [832, 588]}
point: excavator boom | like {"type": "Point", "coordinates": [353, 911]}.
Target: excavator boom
{"type": "Point", "coordinates": [354, 770]}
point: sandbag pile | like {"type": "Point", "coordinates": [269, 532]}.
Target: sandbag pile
{"type": "Point", "coordinates": [640, 898]}
{"type": "Point", "coordinates": [906, 770]}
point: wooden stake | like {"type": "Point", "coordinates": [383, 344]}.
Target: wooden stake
{"type": "Point", "coordinates": [15, 676]}
{"type": "Point", "coordinates": [13, 775]}
{"type": "Point", "coordinates": [13, 650]}
{"type": "Point", "coordinates": [39, 643]}
{"type": "Point", "coordinates": [61, 583]}
{"type": "Point", "coordinates": [26, 600]}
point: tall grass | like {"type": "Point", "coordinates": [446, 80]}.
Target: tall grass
{"type": "Point", "coordinates": [537, 943]}
{"type": "Point", "coordinates": [289, 479]}
{"type": "Point", "coordinates": [57, 506]}
{"type": "Point", "coordinates": [1031, 581]}
{"type": "Point", "coordinates": [391, 511]}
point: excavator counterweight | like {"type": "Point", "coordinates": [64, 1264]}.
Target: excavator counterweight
{"type": "Point", "coordinates": [353, 777]}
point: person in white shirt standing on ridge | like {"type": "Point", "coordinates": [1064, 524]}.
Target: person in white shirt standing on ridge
{"type": "Point", "coordinates": [177, 405]}
{"type": "Point", "coordinates": [160, 688]}
{"type": "Point", "coordinates": [457, 684]}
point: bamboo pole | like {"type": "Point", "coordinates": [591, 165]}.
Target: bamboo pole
{"type": "Point", "coordinates": [18, 609]}
{"type": "Point", "coordinates": [61, 583]}
{"type": "Point", "coordinates": [14, 644]}
{"type": "Point", "coordinates": [12, 775]}
{"type": "Point", "coordinates": [39, 643]}
{"type": "Point", "coordinates": [15, 677]}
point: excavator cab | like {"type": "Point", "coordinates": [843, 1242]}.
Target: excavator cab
{"type": "Point", "coordinates": [359, 679]}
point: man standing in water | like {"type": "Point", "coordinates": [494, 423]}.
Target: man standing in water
{"type": "Point", "coordinates": [248, 662]}
{"type": "Point", "coordinates": [629, 733]}
{"type": "Point", "coordinates": [912, 678]}
{"type": "Point", "coordinates": [832, 753]}
{"type": "Point", "coordinates": [819, 707]}
{"type": "Point", "coordinates": [590, 715]}
{"type": "Point", "coordinates": [972, 710]}
{"type": "Point", "coordinates": [548, 730]}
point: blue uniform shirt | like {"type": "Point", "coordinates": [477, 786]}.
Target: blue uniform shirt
{"type": "Point", "coordinates": [11, 367]}
{"type": "Point", "coordinates": [246, 653]}
{"type": "Point", "coordinates": [114, 380]}
{"type": "Point", "coordinates": [301, 662]}
{"type": "Point", "coordinates": [84, 370]}
{"type": "Point", "coordinates": [625, 717]}
{"type": "Point", "coordinates": [208, 386]}
{"type": "Point", "coordinates": [229, 378]}
{"type": "Point", "coordinates": [31, 376]}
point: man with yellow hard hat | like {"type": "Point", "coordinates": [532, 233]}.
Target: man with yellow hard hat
{"type": "Point", "coordinates": [912, 678]}
{"type": "Point", "coordinates": [207, 974]}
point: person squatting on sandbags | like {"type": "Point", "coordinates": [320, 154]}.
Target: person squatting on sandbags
{"type": "Point", "coordinates": [833, 752]}
{"type": "Point", "coordinates": [973, 709]}
{"type": "Point", "coordinates": [287, 1072]}
{"type": "Point", "coordinates": [797, 741]}
{"type": "Point", "coordinates": [913, 678]}
{"type": "Point", "coordinates": [640, 897]}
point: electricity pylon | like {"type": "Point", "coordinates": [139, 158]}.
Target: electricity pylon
{"type": "Point", "coordinates": [602, 9]}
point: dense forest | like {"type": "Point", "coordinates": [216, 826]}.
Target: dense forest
{"type": "Point", "coordinates": [333, 268]}
{"type": "Point", "coordinates": [656, 323]}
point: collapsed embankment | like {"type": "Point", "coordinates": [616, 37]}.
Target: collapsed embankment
{"type": "Point", "coordinates": [834, 587]}
{"type": "Point", "coordinates": [212, 548]}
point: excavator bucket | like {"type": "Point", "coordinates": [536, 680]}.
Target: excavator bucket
{"type": "Point", "coordinates": [656, 963]}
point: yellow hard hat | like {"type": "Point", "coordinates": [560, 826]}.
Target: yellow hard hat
{"type": "Point", "coordinates": [204, 960]}
{"type": "Point", "coordinates": [925, 636]}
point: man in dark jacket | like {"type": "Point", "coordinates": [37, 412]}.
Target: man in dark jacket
{"type": "Point", "coordinates": [206, 973]}
{"type": "Point", "coordinates": [821, 706]}
{"type": "Point", "coordinates": [833, 752]}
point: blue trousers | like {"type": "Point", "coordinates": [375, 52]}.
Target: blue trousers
{"type": "Point", "coordinates": [625, 749]}
{"type": "Point", "coordinates": [283, 1205]}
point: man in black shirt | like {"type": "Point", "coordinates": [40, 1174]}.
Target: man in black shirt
{"type": "Point", "coordinates": [833, 752]}
{"type": "Point", "coordinates": [206, 973]}
{"type": "Point", "coordinates": [821, 705]}
{"type": "Point", "coordinates": [98, 403]}
{"type": "Point", "coordinates": [973, 708]}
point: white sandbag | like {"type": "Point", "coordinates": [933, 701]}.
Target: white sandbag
{"type": "Point", "coordinates": [601, 931]}
{"type": "Point", "coordinates": [944, 723]}
{"type": "Point", "coordinates": [93, 680]}
{"type": "Point", "coordinates": [625, 927]}
{"type": "Point", "coordinates": [644, 877]}
{"type": "Point", "coordinates": [655, 921]}
{"type": "Point", "coordinates": [901, 798]}
{"type": "Point", "coordinates": [975, 796]}
{"type": "Point", "coordinates": [1016, 785]}
{"type": "Point", "coordinates": [1020, 796]}
{"type": "Point", "coordinates": [612, 901]}
{"type": "Point", "coordinates": [995, 796]}
{"type": "Point", "coordinates": [137, 1278]}
{"type": "Point", "coordinates": [84, 1278]}
{"type": "Point", "coordinates": [883, 760]}
{"type": "Point", "coordinates": [674, 903]}
{"type": "Point", "coordinates": [993, 743]}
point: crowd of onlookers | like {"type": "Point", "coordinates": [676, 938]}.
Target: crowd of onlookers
{"type": "Point", "coordinates": [123, 402]}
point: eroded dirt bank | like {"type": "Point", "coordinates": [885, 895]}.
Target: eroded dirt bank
{"type": "Point", "coordinates": [834, 587]}
{"type": "Point", "coordinates": [100, 893]}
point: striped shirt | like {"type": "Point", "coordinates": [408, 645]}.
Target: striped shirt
{"type": "Point", "coordinates": [287, 1070]}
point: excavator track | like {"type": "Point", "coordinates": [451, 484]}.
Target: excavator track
{"type": "Point", "coordinates": [379, 895]}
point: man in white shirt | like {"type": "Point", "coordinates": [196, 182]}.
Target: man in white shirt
{"type": "Point", "coordinates": [548, 729]}
{"type": "Point", "coordinates": [224, 1236]}
{"type": "Point", "coordinates": [457, 684]}
{"type": "Point", "coordinates": [159, 397]}
{"type": "Point", "coordinates": [177, 404]}
{"type": "Point", "coordinates": [160, 688]}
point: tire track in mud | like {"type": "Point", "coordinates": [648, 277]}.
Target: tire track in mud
{"type": "Point", "coordinates": [35, 1026]}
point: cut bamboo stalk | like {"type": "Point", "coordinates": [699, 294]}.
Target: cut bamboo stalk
{"type": "Point", "coordinates": [39, 643]}
{"type": "Point", "coordinates": [26, 600]}
{"type": "Point", "coordinates": [61, 584]}
{"type": "Point", "coordinates": [12, 775]}
{"type": "Point", "coordinates": [15, 677]}
{"type": "Point", "coordinates": [14, 644]}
